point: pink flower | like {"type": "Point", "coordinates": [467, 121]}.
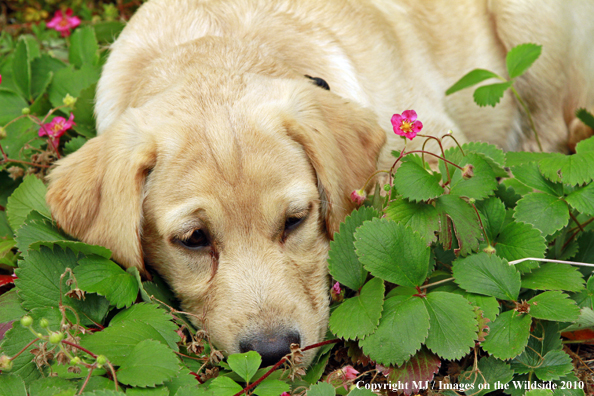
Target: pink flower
{"type": "Point", "coordinates": [341, 377]}
{"type": "Point", "coordinates": [358, 196]}
{"type": "Point", "coordinates": [63, 23]}
{"type": "Point", "coordinates": [336, 288]}
{"type": "Point", "coordinates": [406, 124]}
{"type": "Point", "coordinates": [285, 394]}
{"type": "Point", "coordinates": [337, 293]}
{"type": "Point", "coordinates": [56, 128]}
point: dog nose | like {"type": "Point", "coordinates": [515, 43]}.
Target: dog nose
{"type": "Point", "coordinates": [271, 346]}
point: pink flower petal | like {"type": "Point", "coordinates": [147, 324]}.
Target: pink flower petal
{"type": "Point", "coordinates": [410, 115]}
{"type": "Point", "coordinates": [397, 120]}
{"type": "Point", "coordinates": [417, 126]}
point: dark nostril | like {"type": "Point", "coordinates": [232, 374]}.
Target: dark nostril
{"type": "Point", "coordinates": [271, 346]}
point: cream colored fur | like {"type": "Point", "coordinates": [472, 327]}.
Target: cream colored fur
{"type": "Point", "coordinates": [206, 121]}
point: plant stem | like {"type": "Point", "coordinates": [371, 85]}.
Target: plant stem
{"type": "Point", "coordinates": [436, 283]}
{"type": "Point", "coordinates": [79, 347]}
{"type": "Point", "coordinates": [86, 381]}
{"type": "Point", "coordinates": [529, 117]}
{"type": "Point", "coordinates": [481, 224]}
{"type": "Point", "coordinates": [280, 362]}
{"type": "Point", "coordinates": [25, 348]}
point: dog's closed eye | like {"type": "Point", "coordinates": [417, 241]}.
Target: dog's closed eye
{"type": "Point", "coordinates": [320, 82]}
{"type": "Point", "coordinates": [198, 239]}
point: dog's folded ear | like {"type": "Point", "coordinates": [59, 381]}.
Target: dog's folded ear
{"type": "Point", "coordinates": [96, 193]}
{"type": "Point", "coordinates": [343, 141]}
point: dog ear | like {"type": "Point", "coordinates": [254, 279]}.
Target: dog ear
{"type": "Point", "coordinates": [96, 193]}
{"type": "Point", "coordinates": [343, 142]}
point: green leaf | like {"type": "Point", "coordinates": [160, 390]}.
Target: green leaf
{"type": "Point", "coordinates": [493, 155]}
{"type": "Point", "coordinates": [490, 371]}
{"type": "Point", "coordinates": [343, 263]}
{"type": "Point", "coordinates": [150, 363]}
{"type": "Point", "coordinates": [393, 252]}
{"type": "Point", "coordinates": [153, 316]}
{"type": "Point", "coordinates": [21, 68]}
{"type": "Point", "coordinates": [530, 175]}
{"type": "Point", "coordinates": [38, 283]}
{"type": "Point", "coordinates": [74, 144]}
{"type": "Point", "coordinates": [513, 158]}
{"type": "Point", "coordinates": [492, 211]}
{"type": "Point", "coordinates": [29, 196]}
{"type": "Point", "coordinates": [553, 276]}
{"type": "Point", "coordinates": [520, 240]}
{"type": "Point", "coordinates": [453, 326]}
{"type": "Point", "coordinates": [38, 231]}
{"type": "Point", "coordinates": [118, 340]}
{"type": "Point", "coordinates": [225, 386]}
{"type": "Point", "coordinates": [83, 47]}
{"type": "Point", "coordinates": [12, 385]}
{"type": "Point", "coordinates": [415, 183]}
{"type": "Point", "coordinates": [413, 374]}
{"type": "Point", "coordinates": [539, 392]}
{"type": "Point", "coordinates": [71, 81]}
{"type": "Point", "coordinates": [99, 275]}
{"type": "Point", "coordinates": [465, 222]}
{"type": "Point", "coordinates": [554, 305]}
{"type": "Point", "coordinates": [586, 117]}
{"type": "Point", "coordinates": [245, 364]}
{"type": "Point", "coordinates": [158, 391]}
{"type": "Point", "coordinates": [108, 31]}
{"type": "Point", "coordinates": [321, 389]}
{"type": "Point", "coordinates": [403, 328]}
{"type": "Point", "coordinates": [359, 316]}
{"type": "Point", "coordinates": [42, 71]}
{"type": "Point", "coordinates": [543, 211]}
{"type": "Point", "coordinates": [11, 106]}
{"type": "Point", "coordinates": [271, 387]}
{"type": "Point", "coordinates": [471, 78]}
{"type": "Point", "coordinates": [490, 95]}
{"type": "Point", "coordinates": [521, 57]}
{"type": "Point", "coordinates": [508, 335]}
{"type": "Point", "coordinates": [555, 365]}
{"type": "Point", "coordinates": [18, 337]}
{"type": "Point", "coordinates": [84, 112]}
{"type": "Point", "coordinates": [480, 186]}
{"type": "Point", "coordinates": [488, 275]}
{"type": "Point", "coordinates": [582, 199]}
{"type": "Point", "coordinates": [568, 169]}
{"type": "Point", "coordinates": [545, 338]}
{"type": "Point", "coordinates": [103, 392]}
{"type": "Point", "coordinates": [50, 386]}
{"type": "Point", "coordinates": [488, 305]}
{"type": "Point", "coordinates": [419, 216]}
{"type": "Point", "coordinates": [10, 307]}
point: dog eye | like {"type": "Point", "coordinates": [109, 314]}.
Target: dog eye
{"type": "Point", "coordinates": [197, 240]}
{"type": "Point", "coordinates": [293, 222]}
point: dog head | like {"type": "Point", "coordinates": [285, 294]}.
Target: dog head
{"type": "Point", "coordinates": [230, 187]}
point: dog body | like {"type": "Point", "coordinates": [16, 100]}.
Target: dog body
{"type": "Point", "coordinates": [228, 171]}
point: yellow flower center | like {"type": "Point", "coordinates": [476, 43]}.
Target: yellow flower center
{"type": "Point", "coordinates": [63, 22]}
{"type": "Point", "coordinates": [406, 126]}
{"type": "Point", "coordinates": [57, 127]}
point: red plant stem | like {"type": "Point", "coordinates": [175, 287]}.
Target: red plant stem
{"type": "Point", "coordinates": [25, 348]}
{"type": "Point", "coordinates": [79, 347]}
{"type": "Point", "coordinates": [280, 362]}
{"type": "Point", "coordinates": [86, 380]}
{"type": "Point", "coordinates": [481, 224]}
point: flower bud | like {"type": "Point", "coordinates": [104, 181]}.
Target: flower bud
{"type": "Point", "coordinates": [2, 133]}
{"type": "Point", "coordinates": [101, 360]}
{"type": "Point", "coordinates": [75, 360]}
{"type": "Point", "coordinates": [387, 187]}
{"type": "Point", "coordinates": [489, 249]}
{"type": "Point", "coordinates": [43, 323]}
{"type": "Point", "coordinates": [468, 171]}
{"type": "Point", "coordinates": [358, 196]}
{"type": "Point", "coordinates": [5, 363]}
{"type": "Point", "coordinates": [56, 337]}
{"type": "Point", "coordinates": [471, 201]}
{"type": "Point", "coordinates": [26, 111]}
{"type": "Point", "coordinates": [69, 100]}
{"type": "Point", "coordinates": [26, 321]}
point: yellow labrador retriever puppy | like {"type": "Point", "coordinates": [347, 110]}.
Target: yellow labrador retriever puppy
{"type": "Point", "coordinates": [224, 167]}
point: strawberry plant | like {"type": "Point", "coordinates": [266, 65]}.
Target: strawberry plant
{"type": "Point", "coordinates": [483, 258]}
